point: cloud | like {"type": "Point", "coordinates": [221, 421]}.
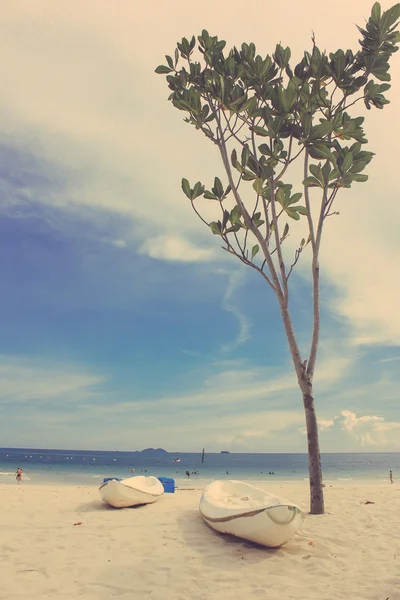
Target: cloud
{"type": "Point", "coordinates": [252, 409]}
{"type": "Point", "coordinates": [370, 430]}
{"type": "Point", "coordinates": [236, 279]}
{"type": "Point", "coordinates": [85, 105]}
{"type": "Point", "coordinates": [269, 430]}
{"type": "Point", "coordinates": [350, 422]}
{"type": "Point", "coordinates": [40, 381]}
{"type": "Point", "coordinates": [174, 248]}
{"type": "Point", "coordinates": [390, 359]}
{"type": "Point", "coordinates": [324, 424]}
{"type": "Point", "coordinates": [238, 408]}
{"type": "Point", "coordinates": [366, 431]}
{"type": "Point", "coordinates": [119, 243]}
{"type": "Point", "coordinates": [88, 99]}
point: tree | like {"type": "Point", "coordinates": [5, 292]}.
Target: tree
{"type": "Point", "coordinates": [262, 115]}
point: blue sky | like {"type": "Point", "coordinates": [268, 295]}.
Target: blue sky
{"type": "Point", "coordinates": [123, 323]}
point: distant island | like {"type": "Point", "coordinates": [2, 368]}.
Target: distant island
{"type": "Point", "coordinates": [153, 451]}
{"type": "Point", "coordinates": [225, 452]}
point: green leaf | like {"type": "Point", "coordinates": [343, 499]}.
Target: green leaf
{"type": "Point", "coordinates": [376, 13]}
{"type": "Point", "coordinates": [258, 185]}
{"type": "Point", "coordinates": [248, 175]}
{"type": "Point", "coordinates": [281, 197]}
{"type": "Point", "coordinates": [186, 188]}
{"type": "Point", "coordinates": [312, 182]}
{"type": "Point", "coordinates": [210, 196]}
{"type": "Point", "coordinates": [198, 190]}
{"type": "Point", "coordinates": [319, 150]}
{"type": "Point", "coordinates": [300, 209]}
{"type": "Point", "coordinates": [250, 105]}
{"type": "Point", "coordinates": [254, 251]}
{"type": "Point", "coordinates": [265, 149]}
{"type": "Point", "coordinates": [317, 172]}
{"type": "Point", "coordinates": [218, 188]}
{"type": "Point", "coordinates": [260, 130]}
{"type": "Point", "coordinates": [233, 229]}
{"type": "Point", "coordinates": [162, 70]}
{"type": "Point", "coordinates": [234, 160]}
{"type": "Point", "coordinates": [293, 214]}
{"type": "Point", "coordinates": [169, 61]}
{"type": "Point", "coordinates": [227, 191]}
{"type": "Point", "coordinates": [359, 177]}
{"type": "Point", "coordinates": [245, 155]}
{"type": "Point", "coordinates": [225, 218]}
{"type": "Point", "coordinates": [326, 169]}
{"type": "Point", "coordinates": [358, 166]}
{"type": "Point", "coordinates": [347, 161]}
{"type": "Point", "coordinates": [391, 15]}
{"type": "Point", "coordinates": [216, 227]}
{"type": "Point", "coordinates": [295, 198]}
{"type": "Point", "coordinates": [322, 130]}
{"type": "Point", "coordinates": [235, 215]}
{"type": "Point", "coordinates": [211, 118]}
{"type": "Point", "coordinates": [286, 230]}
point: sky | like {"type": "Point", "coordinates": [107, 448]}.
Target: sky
{"type": "Point", "coordinates": [123, 323]}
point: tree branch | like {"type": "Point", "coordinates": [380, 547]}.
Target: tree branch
{"type": "Point", "coordinates": [247, 219]}
{"type": "Point", "coordinates": [277, 242]}
{"type": "Point", "coordinates": [308, 203]}
{"type": "Point", "coordinates": [246, 261]}
{"type": "Point", "coordinates": [316, 291]}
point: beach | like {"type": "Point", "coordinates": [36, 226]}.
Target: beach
{"type": "Point", "coordinates": [166, 551]}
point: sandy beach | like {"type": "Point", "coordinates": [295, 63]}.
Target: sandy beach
{"type": "Point", "coordinates": [165, 550]}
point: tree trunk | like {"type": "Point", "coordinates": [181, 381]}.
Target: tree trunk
{"type": "Point", "coordinates": [305, 384]}
{"type": "Point", "coordinates": [314, 457]}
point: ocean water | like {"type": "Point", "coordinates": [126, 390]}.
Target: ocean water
{"type": "Point", "coordinates": [90, 467]}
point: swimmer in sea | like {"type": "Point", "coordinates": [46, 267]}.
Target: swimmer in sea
{"type": "Point", "coordinates": [18, 475]}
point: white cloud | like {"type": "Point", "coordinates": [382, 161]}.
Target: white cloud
{"type": "Point", "coordinates": [119, 243]}
{"type": "Point", "coordinates": [350, 422]}
{"type": "Point", "coordinates": [235, 280]}
{"type": "Point", "coordinates": [324, 424]}
{"type": "Point", "coordinates": [364, 432]}
{"type": "Point", "coordinates": [243, 409]}
{"type": "Point", "coordinates": [237, 408]}
{"type": "Point", "coordinates": [88, 98]}
{"type": "Point", "coordinates": [390, 359]}
{"type": "Point", "coordinates": [174, 248]}
{"type": "Point", "coordinates": [36, 380]}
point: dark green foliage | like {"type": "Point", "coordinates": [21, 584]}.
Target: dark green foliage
{"type": "Point", "coordinates": [274, 112]}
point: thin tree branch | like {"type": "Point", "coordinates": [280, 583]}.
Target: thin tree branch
{"type": "Point", "coordinates": [198, 214]}
{"type": "Point", "coordinates": [296, 258]}
{"type": "Point", "coordinates": [247, 262]}
{"type": "Point", "coordinates": [247, 219]}
{"type": "Point", "coordinates": [316, 291]}
{"type": "Point", "coordinates": [308, 203]}
{"type": "Point", "coordinates": [277, 241]}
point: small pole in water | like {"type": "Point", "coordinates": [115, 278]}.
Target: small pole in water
{"type": "Point", "coordinates": [202, 456]}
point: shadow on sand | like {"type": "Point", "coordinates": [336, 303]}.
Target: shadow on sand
{"type": "Point", "coordinates": [226, 551]}
{"type": "Point", "coordinates": [99, 506]}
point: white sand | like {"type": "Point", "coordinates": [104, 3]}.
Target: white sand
{"type": "Point", "coordinates": [165, 551]}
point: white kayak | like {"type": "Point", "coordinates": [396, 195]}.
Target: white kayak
{"type": "Point", "coordinates": [132, 491]}
{"type": "Point", "coordinates": [248, 512]}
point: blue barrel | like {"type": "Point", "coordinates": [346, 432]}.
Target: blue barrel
{"type": "Point", "coordinates": [168, 484]}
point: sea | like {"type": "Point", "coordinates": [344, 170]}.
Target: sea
{"type": "Point", "coordinates": [188, 469]}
